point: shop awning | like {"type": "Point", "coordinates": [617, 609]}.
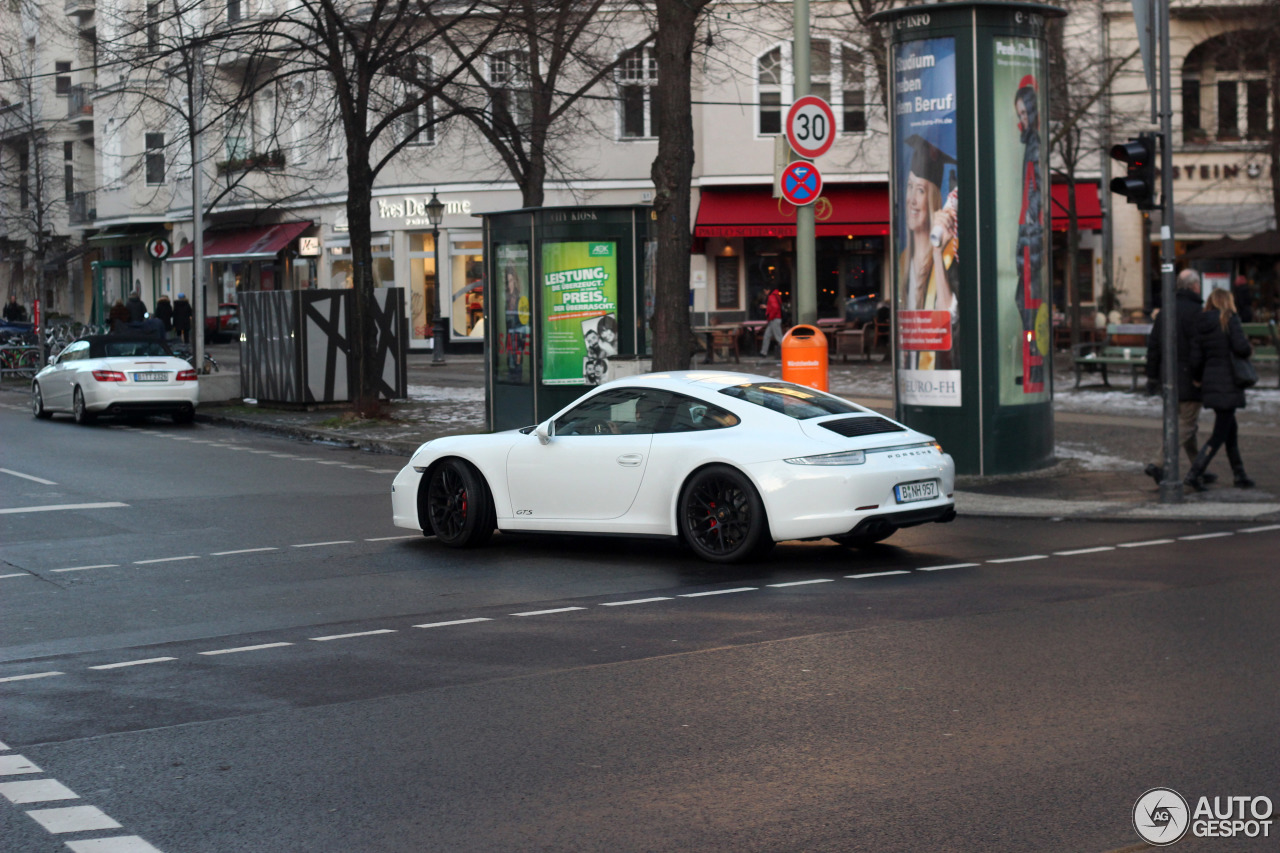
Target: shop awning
{"type": "Point", "coordinates": [245, 244]}
{"type": "Point", "coordinates": [1088, 207]}
{"type": "Point", "coordinates": [126, 235]}
{"type": "Point", "coordinates": [858, 210]}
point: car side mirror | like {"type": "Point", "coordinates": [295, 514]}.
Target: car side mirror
{"type": "Point", "coordinates": [545, 431]}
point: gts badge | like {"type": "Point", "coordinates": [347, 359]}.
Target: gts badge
{"type": "Point", "coordinates": [524, 512]}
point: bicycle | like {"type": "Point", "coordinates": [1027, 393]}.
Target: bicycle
{"type": "Point", "coordinates": [22, 361]}
{"type": "Point", "coordinates": [185, 352]}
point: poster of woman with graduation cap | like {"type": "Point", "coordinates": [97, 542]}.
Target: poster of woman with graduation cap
{"type": "Point", "coordinates": [927, 284]}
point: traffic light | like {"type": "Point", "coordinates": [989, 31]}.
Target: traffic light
{"type": "Point", "coordinates": [1138, 186]}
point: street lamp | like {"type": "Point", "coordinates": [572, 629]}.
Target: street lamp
{"type": "Point", "coordinates": [435, 215]}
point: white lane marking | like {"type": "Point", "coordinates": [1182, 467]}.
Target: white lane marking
{"type": "Point", "coordinates": [17, 575]}
{"type": "Point", "coordinates": [357, 634]}
{"type": "Point", "coordinates": [385, 470]}
{"type": "Point", "coordinates": [40, 480]}
{"type": "Point", "coordinates": [1145, 544]}
{"type": "Point", "coordinates": [634, 601]}
{"type": "Point", "coordinates": [318, 544]}
{"type": "Point", "coordinates": [245, 649]}
{"type": "Point", "coordinates": [14, 765]}
{"type": "Point", "coordinates": [454, 622]}
{"type": "Point", "coordinates": [130, 663]}
{"type": "Point", "coordinates": [718, 592]}
{"type": "Point", "coordinates": [1262, 529]}
{"type": "Point", "coordinates": [547, 612]}
{"type": "Point", "coordinates": [118, 844]}
{"type": "Point", "coordinates": [358, 467]}
{"type": "Point", "coordinates": [1218, 535]}
{"type": "Point", "coordinates": [944, 568]}
{"type": "Point", "coordinates": [241, 551]}
{"type": "Point", "coordinates": [327, 462]}
{"type": "Point", "coordinates": [284, 456]}
{"type": "Point", "coordinates": [392, 538]}
{"type": "Point", "coordinates": [36, 791]}
{"type": "Point", "coordinates": [73, 819]}
{"type": "Point", "coordinates": [59, 507]}
{"type": "Point", "coordinates": [32, 675]}
{"type": "Point", "coordinates": [879, 574]}
{"type": "Point", "coordinates": [1096, 550]}
{"type": "Point", "coordinates": [86, 568]}
{"type": "Point", "coordinates": [260, 451]}
{"type": "Point", "coordinates": [1020, 559]}
{"type": "Point", "coordinates": [165, 560]}
{"type": "Point", "coordinates": [800, 583]}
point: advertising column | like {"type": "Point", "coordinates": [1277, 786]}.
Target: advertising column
{"type": "Point", "coordinates": [579, 312]}
{"type": "Point", "coordinates": [927, 274]}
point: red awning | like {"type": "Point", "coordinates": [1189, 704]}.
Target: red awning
{"type": "Point", "coordinates": [1088, 208]}
{"type": "Point", "coordinates": [858, 210]}
{"type": "Point", "coordinates": [245, 244]}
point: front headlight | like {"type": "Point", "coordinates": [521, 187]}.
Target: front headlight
{"type": "Point", "coordinates": [845, 457]}
{"type": "Point", "coordinates": [937, 445]}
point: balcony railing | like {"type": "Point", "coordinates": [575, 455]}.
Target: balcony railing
{"type": "Point", "coordinates": [83, 208]}
{"type": "Point", "coordinates": [80, 102]}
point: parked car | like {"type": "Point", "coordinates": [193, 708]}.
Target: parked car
{"type": "Point", "coordinates": [731, 463]}
{"type": "Point", "coordinates": [223, 326]}
{"type": "Point", "coordinates": [116, 375]}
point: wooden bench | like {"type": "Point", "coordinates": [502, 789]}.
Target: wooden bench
{"type": "Point", "coordinates": [1266, 344]}
{"type": "Point", "coordinates": [854, 340]}
{"type": "Point", "coordinates": [1124, 346]}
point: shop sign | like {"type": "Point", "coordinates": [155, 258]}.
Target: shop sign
{"type": "Point", "coordinates": [308, 246]}
{"type": "Point", "coordinates": [412, 210]}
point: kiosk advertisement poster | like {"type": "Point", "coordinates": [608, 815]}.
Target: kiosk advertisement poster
{"type": "Point", "coordinates": [1020, 156]}
{"type": "Point", "coordinates": [580, 312]}
{"type": "Point", "coordinates": [514, 357]}
{"type": "Point", "coordinates": [926, 281]}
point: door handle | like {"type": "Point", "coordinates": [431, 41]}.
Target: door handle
{"type": "Point", "coordinates": [630, 460]}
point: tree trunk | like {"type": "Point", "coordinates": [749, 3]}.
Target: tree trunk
{"type": "Point", "coordinates": [672, 175]}
{"type": "Point", "coordinates": [363, 332]}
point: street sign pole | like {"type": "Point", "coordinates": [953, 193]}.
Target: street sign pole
{"type": "Point", "coordinates": [805, 298]}
{"type": "Point", "coordinates": [1171, 483]}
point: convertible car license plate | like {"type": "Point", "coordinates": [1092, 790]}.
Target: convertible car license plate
{"type": "Point", "coordinates": [922, 491]}
{"type": "Point", "coordinates": [151, 376]}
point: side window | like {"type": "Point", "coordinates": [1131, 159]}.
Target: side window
{"type": "Point", "coordinates": [621, 411]}
{"type": "Point", "coordinates": [691, 415]}
{"type": "Point", "coordinates": [75, 352]}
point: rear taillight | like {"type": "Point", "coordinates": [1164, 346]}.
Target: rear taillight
{"type": "Point", "coordinates": [186, 376]}
{"type": "Point", "coordinates": [108, 376]}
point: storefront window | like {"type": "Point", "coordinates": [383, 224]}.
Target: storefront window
{"type": "Point", "coordinates": [467, 257]}
{"type": "Point", "coordinates": [422, 285]}
{"type": "Point", "coordinates": [340, 274]}
{"type": "Point", "coordinates": [513, 362]}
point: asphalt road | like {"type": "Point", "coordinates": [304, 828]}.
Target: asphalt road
{"type": "Point", "coordinates": [227, 647]}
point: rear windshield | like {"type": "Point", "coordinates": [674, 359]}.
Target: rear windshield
{"type": "Point", "coordinates": [794, 401]}
{"type": "Point", "coordinates": [116, 349]}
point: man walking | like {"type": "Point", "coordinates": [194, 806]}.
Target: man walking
{"type": "Point", "coordinates": [15, 311]}
{"type": "Point", "coordinates": [772, 321]}
{"type": "Point", "coordinates": [1187, 305]}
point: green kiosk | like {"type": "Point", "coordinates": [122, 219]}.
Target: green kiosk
{"type": "Point", "coordinates": [972, 230]}
{"type": "Point", "coordinates": [568, 297]}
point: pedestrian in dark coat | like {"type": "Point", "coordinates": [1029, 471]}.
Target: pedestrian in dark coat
{"type": "Point", "coordinates": [182, 318]}
{"type": "Point", "coordinates": [1219, 335]}
{"type": "Point", "coordinates": [1187, 306]}
{"type": "Point", "coordinates": [119, 316]}
{"type": "Point", "coordinates": [164, 310]}
{"type": "Point", "coordinates": [137, 308]}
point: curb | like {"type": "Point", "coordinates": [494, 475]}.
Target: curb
{"type": "Point", "coordinates": [390, 447]}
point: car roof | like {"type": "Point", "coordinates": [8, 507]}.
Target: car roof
{"type": "Point", "coordinates": [675, 380]}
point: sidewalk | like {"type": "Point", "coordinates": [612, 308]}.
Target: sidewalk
{"type": "Point", "coordinates": [1103, 437]}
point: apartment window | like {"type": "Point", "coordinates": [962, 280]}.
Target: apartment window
{"type": "Point", "coordinates": [153, 26]}
{"type": "Point", "coordinates": [1225, 79]}
{"type": "Point", "coordinates": [419, 123]}
{"type": "Point", "coordinates": [512, 101]}
{"type": "Point", "coordinates": [62, 78]}
{"type": "Point", "coordinates": [837, 74]}
{"type": "Point", "coordinates": [233, 11]}
{"type": "Point", "coordinates": [155, 158]}
{"type": "Point", "coordinates": [68, 169]}
{"type": "Point", "coordinates": [1192, 128]}
{"type": "Point", "coordinates": [637, 79]}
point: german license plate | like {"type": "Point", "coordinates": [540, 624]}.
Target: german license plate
{"type": "Point", "coordinates": [921, 491]}
{"type": "Point", "coordinates": [150, 376]}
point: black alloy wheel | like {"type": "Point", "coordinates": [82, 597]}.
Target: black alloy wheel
{"type": "Point", "coordinates": [459, 507]}
{"type": "Point", "coordinates": [82, 413]}
{"type": "Point", "coordinates": [37, 403]}
{"type": "Point", "coordinates": [722, 517]}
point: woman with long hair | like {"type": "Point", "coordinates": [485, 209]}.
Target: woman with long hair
{"type": "Point", "coordinates": [926, 269]}
{"type": "Point", "coordinates": [1218, 336]}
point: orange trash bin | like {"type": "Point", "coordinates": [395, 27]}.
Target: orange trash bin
{"type": "Point", "coordinates": [804, 357]}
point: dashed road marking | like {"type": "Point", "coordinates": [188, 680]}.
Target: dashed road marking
{"type": "Point", "coordinates": [878, 574]}
{"type": "Point", "coordinates": [1020, 559]}
{"type": "Point", "coordinates": [242, 551]}
{"type": "Point", "coordinates": [636, 601]}
{"type": "Point", "coordinates": [548, 612]}
{"type": "Point", "coordinates": [1146, 543]}
{"type": "Point", "coordinates": [61, 507]}
{"type": "Point", "coordinates": [945, 568]}
{"type": "Point", "coordinates": [1262, 529]}
{"type": "Point", "coordinates": [32, 675]}
{"type": "Point", "coordinates": [356, 634]}
{"type": "Point", "coordinates": [719, 592]}
{"type": "Point", "coordinates": [239, 649]}
{"type": "Point", "coordinates": [86, 568]}
{"type": "Point", "coordinates": [1096, 550]}
{"type": "Point", "coordinates": [454, 622]}
{"type": "Point", "coordinates": [318, 544]}
{"type": "Point", "coordinates": [16, 765]}
{"type": "Point", "coordinates": [165, 560]}
{"type": "Point", "coordinates": [34, 479]}
{"type": "Point", "coordinates": [119, 844]}
{"type": "Point", "coordinates": [394, 538]}
{"type": "Point", "coordinates": [73, 819]}
{"type": "Point", "coordinates": [125, 663]}
{"type": "Point", "coordinates": [1217, 535]}
{"type": "Point", "coordinates": [36, 791]}
{"type": "Point", "coordinates": [17, 575]}
{"type": "Point", "coordinates": [800, 583]}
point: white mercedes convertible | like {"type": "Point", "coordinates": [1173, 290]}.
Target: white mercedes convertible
{"type": "Point", "coordinates": [729, 462]}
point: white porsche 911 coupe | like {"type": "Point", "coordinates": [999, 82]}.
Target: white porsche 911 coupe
{"type": "Point", "coordinates": [729, 462]}
{"type": "Point", "coordinates": [116, 375]}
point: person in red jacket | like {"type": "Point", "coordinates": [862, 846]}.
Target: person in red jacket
{"type": "Point", "coordinates": [772, 321]}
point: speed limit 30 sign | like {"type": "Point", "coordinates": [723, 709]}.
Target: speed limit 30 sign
{"type": "Point", "coordinates": [811, 126]}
